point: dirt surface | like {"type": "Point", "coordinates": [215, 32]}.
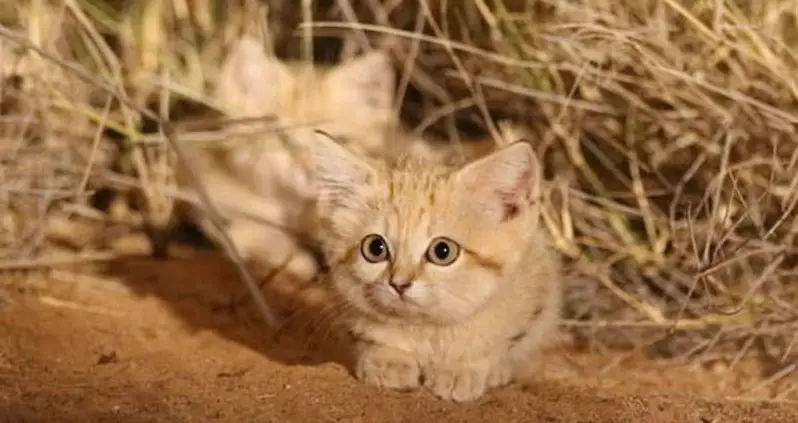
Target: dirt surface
{"type": "Point", "coordinates": [143, 340]}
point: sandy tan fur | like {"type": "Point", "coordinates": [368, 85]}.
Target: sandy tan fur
{"type": "Point", "coordinates": [265, 175]}
{"type": "Point", "coordinates": [459, 329]}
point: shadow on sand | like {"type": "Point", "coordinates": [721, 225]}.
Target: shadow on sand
{"type": "Point", "coordinates": [204, 290]}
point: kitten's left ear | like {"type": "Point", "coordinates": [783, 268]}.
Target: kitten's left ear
{"type": "Point", "coordinates": [340, 176]}
{"type": "Point", "coordinates": [365, 83]}
{"type": "Point", "coordinates": [250, 79]}
{"type": "Point", "coordinates": [502, 183]}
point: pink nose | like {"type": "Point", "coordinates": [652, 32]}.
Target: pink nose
{"type": "Point", "coordinates": [400, 287]}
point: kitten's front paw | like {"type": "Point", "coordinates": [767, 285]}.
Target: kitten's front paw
{"type": "Point", "coordinates": [500, 374]}
{"type": "Point", "coordinates": [469, 382]}
{"type": "Point", "coordinates": [389, 368]}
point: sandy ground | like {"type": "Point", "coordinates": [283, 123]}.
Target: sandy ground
{"type": "Point", "coordinates": [143, 340]}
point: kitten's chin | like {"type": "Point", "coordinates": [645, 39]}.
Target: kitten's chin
{"type": "Point", "coordinates": [420, 305]}
{"type": "Point", "coordinates": [388, 303]}
{"type": "Point", "coordinates": [382, 303]}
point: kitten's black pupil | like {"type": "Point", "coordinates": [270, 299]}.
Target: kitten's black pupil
{"type": "Point", "coordinates": [441, 250]}
{"type": "Point", "coordinates": [377, 247]}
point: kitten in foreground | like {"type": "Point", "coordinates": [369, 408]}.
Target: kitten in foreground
{"type": "Point", "coordinates": [445, 275]}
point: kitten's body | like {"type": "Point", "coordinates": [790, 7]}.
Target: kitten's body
{"type": "Point", "coordinates": [266, 175]}
{"type": "Point", "coordinates": [457, 328]}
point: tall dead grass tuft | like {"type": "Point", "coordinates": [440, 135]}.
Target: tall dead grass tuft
{"type": "Point", "coordinates": [48, 143]}
{"type": "Point", "coordinates": [667, 129]}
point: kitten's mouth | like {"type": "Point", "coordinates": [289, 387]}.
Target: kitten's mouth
{"type": "Point", "coordinates": [384, 300]}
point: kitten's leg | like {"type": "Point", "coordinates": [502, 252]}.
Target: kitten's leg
{"type": "Point", "coordinates": [469, 380]}
{"type": "Point", "coordinates": [386, 367]}
{"type": "Point", "coordinates": [501, 373]}
{"type": "Point", "coordinates": [526, 347]}
{"type": "Point", "coordinates": [272, 248]}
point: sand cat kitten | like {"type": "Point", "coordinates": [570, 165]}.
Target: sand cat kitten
{"type": "Point", "coordinates": [352, 101]}
{"type": "Point", "coordinates": [445, 272]}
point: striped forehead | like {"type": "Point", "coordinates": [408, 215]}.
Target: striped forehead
{"type": "Point", "coordinates": [414, 199]}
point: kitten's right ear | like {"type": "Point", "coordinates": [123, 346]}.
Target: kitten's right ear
{"type": "Point", "coordinates": [250, 79]}
{"type": "Point", "coordinates": [341, 177]}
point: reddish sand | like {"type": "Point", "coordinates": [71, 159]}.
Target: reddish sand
{"type": "Point", "coordinates": [158, 341]}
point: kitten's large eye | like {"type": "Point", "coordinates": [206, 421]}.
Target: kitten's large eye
{"type": "Point", "coordinates": [374, 248]}
{"type": "Point", "coordinates": [443, 251]}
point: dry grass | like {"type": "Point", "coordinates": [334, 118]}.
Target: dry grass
{"type": "Point", "coordinates": [667, 129]}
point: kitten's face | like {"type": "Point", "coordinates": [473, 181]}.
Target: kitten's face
{"type": "Point", "coordinates": [424, 244]}
{"type": "Point", "coordinates": [352, 101]}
